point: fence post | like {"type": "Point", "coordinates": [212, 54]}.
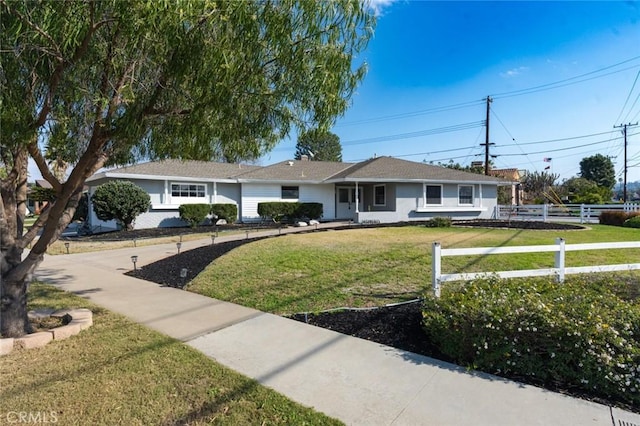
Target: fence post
{"type": "Point", "coordinates": [436, 264]}
{"type": "Point", "coordinates": [559, 261]}
{"type": "Point", "coordinates": [545, 212]}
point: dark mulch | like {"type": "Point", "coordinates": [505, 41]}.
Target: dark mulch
{"type": "Point", "coordinates": [399, 326]}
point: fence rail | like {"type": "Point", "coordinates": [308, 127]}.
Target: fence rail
{"type": "Point", "coordinates": [559, 269]}
{"type": "Point", "coordinates": [584, 213]}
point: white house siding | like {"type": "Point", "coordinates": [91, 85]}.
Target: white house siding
{"type": "Point", "coordinates": [255, 193]}
{"type": "Point", "coordinates": [164, 210]}
{"type": "Point", "coordinates": [410, 205]}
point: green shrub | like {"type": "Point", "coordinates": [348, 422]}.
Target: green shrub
{"type": "Point", "coordinates": [277, 210]}
{"type": "Point", "coordinates": [120, 200]}
{"type": "Point", "coordinates": [579, 334]}
{"type": "Point", "coordinates": [438, 222]}
{"type": "Point", "coordinates": [194, 214]}
{"type": "Point", "coordinates": [309, 210]}
{"type": "Point", "coordinates": [228, 212]}
{"type": "Point", "coordinates": [632, 222]}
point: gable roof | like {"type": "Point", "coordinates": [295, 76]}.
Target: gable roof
{"type": "Point", "coordinates": [295, 171]}
{"type": "Point", "coordinates": [177, 169]}
{"type": "Point", "coordinates": [394, 169]}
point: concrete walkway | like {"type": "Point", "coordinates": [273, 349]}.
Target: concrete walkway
{"type": "Point", "coordinates": [354, 380]}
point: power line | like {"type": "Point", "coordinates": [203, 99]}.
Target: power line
{"type": "Point", "coordinates": [568, 81]}
{"type": "Point", "coordinates": [411, 114]}
{"type": "Point", "coordinates": [627, 100]}
{"type": "Point", "coordinates": [427, 132]}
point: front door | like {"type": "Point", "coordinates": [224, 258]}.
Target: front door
{"type": "Point", "coordinates": [346, 205]}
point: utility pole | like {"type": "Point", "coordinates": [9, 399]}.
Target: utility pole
{"type": "Point", "coordinates": [624, 132]}
{"type": "Point", "coordinates": [486, 139]}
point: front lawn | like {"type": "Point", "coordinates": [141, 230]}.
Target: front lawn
{"type": "Point", "coordinates": [120, 373]}
{"type": "Point", "coordinates": [376, 266]}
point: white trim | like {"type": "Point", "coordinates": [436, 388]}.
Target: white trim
{"type": "Point", "coordinates": [445, 209]}
{"type": "Point", "coordinates": [180, 179]}
{"type": "Point", "coordinates": [473, 195]}
{"type": "Point", "coordinates": [384, 187]}
{"type": "Point", "coordinates": [174, 198]}
{"type": "Point", "coordinates": [424, 194]}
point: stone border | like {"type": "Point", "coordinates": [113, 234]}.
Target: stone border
{"type": "Point", "coordinates": [80, 319]}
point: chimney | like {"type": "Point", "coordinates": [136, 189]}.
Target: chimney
{"type": "Point", "coordinates": [304, 157]}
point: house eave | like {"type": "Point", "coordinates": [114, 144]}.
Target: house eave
{"type": "Point", "coordinates": [108, 175]}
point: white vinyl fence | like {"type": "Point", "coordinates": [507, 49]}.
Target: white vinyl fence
{"type": "Point", "coordinates": [559, 269]}
{"type": "Point", "coordinates": [583, 213]}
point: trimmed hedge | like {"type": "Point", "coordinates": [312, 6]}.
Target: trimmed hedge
{"type": "Point", "coordinates": [194, 214]}
{"type": "Point", "coordinates": [615, 217]}
{"type": "Point", "coordinates": [279, 210]}
{"type": "Point", "coordinates": [581, 334]}
{"type": "Point", "coordinates": [632, 222]}
{"type": "Point", "coordinates": [228, 212]}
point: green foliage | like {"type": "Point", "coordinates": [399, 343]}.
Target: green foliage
{"type": "Point", "coordinates": [120, 200]}
{"type": "Point", "coordinates": [598, 169]}
{"type": "Point", "coordinates": [38, 193]}
{"type": "Point", "coordinates": [309, 210]}
{"type": "Point", "coordinates": [194, 214]}
{"type": "Point", "coordinates": [276, 210]}
{"type": "Point", "coordinates": [439, 222]}
{"type": "Point", "coordinates": [319, 145]}
{"type": "Point", "coordinates": [633, 221]}
{"type": "Point", "coordinates": [228, 212]}
{"type": "Point", "coordinates": [579, 334]}
{"type": "Point", "coordinates": [280, 210]}
{"type": "Point", "coordinates": [579, 190]}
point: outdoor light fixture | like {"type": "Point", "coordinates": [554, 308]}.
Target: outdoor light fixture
{"type": "Point", "coordinates": [134, 259]}
{"type": "Point", "coordinates": [180, 238]}
{"type": "Point", "coordinates": [247, 235]}
{"type": "Point", "coordinates": [66, 245]}
{"type": "Point", "coordinates": [135, 243]}
{"type": "Point", "coordinates": [183, 273]}
{"type": "Point", "coordinates": [213, 239]}
{"type": "Point", "coordinates": [178, 245]}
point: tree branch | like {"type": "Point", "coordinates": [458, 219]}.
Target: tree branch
{"type": "Point", "coordinates": [41, 162]}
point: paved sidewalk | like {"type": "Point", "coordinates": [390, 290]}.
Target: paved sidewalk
{"type": "Point", "coordinates": [354, 380]}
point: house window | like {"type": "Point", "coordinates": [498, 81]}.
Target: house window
{"type": "Point", "coordinates": [433, 194]}
{"type": "Point", "coordinates": [465, 194]}
{"type": "Point", "coordinates": [188, 190]}
{"type": "Point", "coordinates": [379, 195]}
{"type": "Point", "coordinates": [290, 192]}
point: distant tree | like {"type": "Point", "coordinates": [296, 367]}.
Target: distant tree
{"type": "Point", "coordinates": [538, 185]}
{"type": "Point", "coordinates": [599, 169]}
{"type": "Point", "coordinates": [469, 168]}
{"type": "Point", "coordinates": [319, 145]}
{"type": "Point", "coordinates": [120, 200]}
{"type": "Point", "coordinates": [579, 190]}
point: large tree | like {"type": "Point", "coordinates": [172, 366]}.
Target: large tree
{"type": "Point", "coordinates": [319, 145]}
{"type": "Point", "coordinates": [93, 83]}
{"type": "Point", "coordinates": [599, 169]}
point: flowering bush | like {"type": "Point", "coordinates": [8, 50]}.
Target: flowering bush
{"type": "Point", "coordinates": [582, 334]}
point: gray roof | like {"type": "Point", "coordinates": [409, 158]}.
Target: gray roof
{"type": "Point", "coordinates": [177, 169]}
{"type": "Point", "coordinates": [394, 169]}
{"type": "Point", "coordinates": [378, 169]}
{"type": "Point", "coordinates": [296, 171]}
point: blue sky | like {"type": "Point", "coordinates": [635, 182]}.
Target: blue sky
{"type": "Point", "coordinates": [432, 65]}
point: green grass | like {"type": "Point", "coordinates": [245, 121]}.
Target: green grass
{"type": "Point", "coordinates": [119, 372]}
{"type": "Point", "coordinates": [376, 266]}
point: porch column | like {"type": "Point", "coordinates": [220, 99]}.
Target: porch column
{"type": "Point", "coordinates": [480, 194]}
{"type": "Point", "coordinates": [215, 192]}
{"type": "Point", "coordinates": [165, 198]}
{"type": "Point", "coordinates": [357, 198]}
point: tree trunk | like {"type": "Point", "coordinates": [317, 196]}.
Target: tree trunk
{"type": "Point", "coordinates": [14, 321]}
